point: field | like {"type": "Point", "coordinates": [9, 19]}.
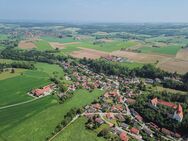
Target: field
{"type": "Point", "coordinates": [50, 69]}
{"type": "Point", "coordinates": [62, 45]}
{"type": "Point", "coordinates": [26, 45]}
{"type": "Point", "coordinates": [169, 50]}
{"type": "Point", "coordinates": [78, 132]}
{"type": "Point", "coordinates": [60, 40]}
{"type": "Point", "coordinates": [3, 37]}
{"type": "Point", "coordinates": [182, 54]}
{"type": "Point", "coordinates": [42, 45]}
{"type": "Point", "coordinates": [42, 119]}
{"type": "Point", "coordinates": [141, 57]}
{"type": "Point", "coordinates": [19, 84]}
{"type": "Point", "coordinates": [14, 90]}
{"type": "Point", "coordinates": [88, 53]}
{"type": "Point", "coordinates": [174, 65]}
{"type": "Point", "coordinates": [8, 74]}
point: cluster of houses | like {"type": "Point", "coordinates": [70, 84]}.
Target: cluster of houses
{"type": "Point", "coordinates": [112, 108]}
{"type": "Point", "coordinates": [115, 59]}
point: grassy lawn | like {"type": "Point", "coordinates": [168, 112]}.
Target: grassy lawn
{"type": "Point", "coordinates": [39, 125]}
{"type": "Point", "coordinates": [8, 74]}
{"type": "Point", "coordinates": [60, 40]}
{"type": "Point", "coordinates": [43, 45]}
{"type": "Point", "coordinates": [78, 132]}
{"type": "Point", "coordinates": [3, 37]}
{"type": "Point", "coordinates": [170, 50]}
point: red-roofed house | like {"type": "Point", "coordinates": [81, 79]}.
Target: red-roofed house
{"type": "Point", "coordinates": [134, 131]}
{"type": "Point", "coordinates": [43, 91]}
{"type": "Point", "coordinates": [123, 136]}
{"type": "Point", "coordinates": [156, 101]}
{"type": "Point", "coordinates": [110, 116]}
{"type": "Point", "coordinates": [178, 114]}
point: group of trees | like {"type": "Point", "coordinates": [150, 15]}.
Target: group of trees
{"type": "Point", "coordinates": [32, 55]}
{"type": "Point", "coordinates": [24, 65]}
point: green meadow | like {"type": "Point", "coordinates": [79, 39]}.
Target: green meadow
{"type": "Point", "coordinates": [15, 86]}
{"type": "Point", "coordinates": [77, 132]}
{"type": "Point", "coordinates": [3, 37]}
{"type": "Point", "coordinates": [106, 47]}
{"type": "Point", "coordinates": [60, 40]}
{"type": "Point", "coordinates": [43, 45]}
{"type": "Point", "coordinates": [8, 74]}
{"type": "Point", "coordinates": [38, 119]}
{"type": "Point", "coordinates": [14, 90]}
{"type": "Point", "coordinates": [170, 50]}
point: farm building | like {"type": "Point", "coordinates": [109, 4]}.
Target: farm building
{"type": "Point", "coordinates": [43, 91]}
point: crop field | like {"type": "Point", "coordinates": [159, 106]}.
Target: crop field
{"type": "Point", "coordinates": [43, 45]}
{"type": "Point", "coordinates": [169, 50]}
{"type": "Point", "coordinates": [50, 69]}
{"type": "Point", "coordinates": [3, 37]}
{"type": "Point", "coordinates": [182, 54]}
{"type": "Point", "coordinates": [78, 132]}
{"type": "Point", "coordinates": [26, 45]}
{"type": "Point", "coordinates": [141, 57]}
{"type": "Point", "coordinates": [22, 81]}
{"type": "Point", "coordinates": [8, 74]}
{"type": "Point", "coordinates": [42, 119]}
{"type": "Point", "coordinates": [88, 53]}
{"type": "Point", "coordinates": [106, 47]}
{"type": "Point", "coordinates": [14, 90]}
{"type": "Point", "coordinates": [173, 65]}
{"type": "Point", "coordinates": [60, 40]}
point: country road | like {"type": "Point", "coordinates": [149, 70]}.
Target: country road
{"type": "Point", "coordinates": [17, 104]}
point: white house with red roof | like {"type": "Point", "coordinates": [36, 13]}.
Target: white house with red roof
{"type": "Point", "coordinates": [178, 114]}
{"type": "Point", "coordinates": [46, 90]}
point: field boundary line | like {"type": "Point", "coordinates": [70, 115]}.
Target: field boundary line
{"type": "Point", "coordinates": [17, 104]}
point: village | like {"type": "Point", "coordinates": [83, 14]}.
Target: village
{"type": "Point", "coordinates": [113, 108]}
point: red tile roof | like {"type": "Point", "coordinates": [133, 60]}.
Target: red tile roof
{"type": "Point", "coordinates": [40, 92]}
{"type": "Point", "coordinates": [180, 111]}
{"type": "Point", "coordinates": [123, 136]}
{"type": "Point", "coordinates": [156, 101]}
{"type": "Point", "coordinates": [134, 130]}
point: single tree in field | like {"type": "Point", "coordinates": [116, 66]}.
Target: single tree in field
{"type": "Point", "coordinates": [12, 71]}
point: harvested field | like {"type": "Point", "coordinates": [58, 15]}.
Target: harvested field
{"type": "Point", "coordinates": [27, 44]}
{"type": "Point", "coordinates": [140, 57]}
{"type": "Point", "coordinates": [61, 45]}
{"type": "Point", "coordinates": [88, 53]}
{"type": "Point", "coordinates": [173, 65]}
{"type": "Point", "coordinates": [182, 54]}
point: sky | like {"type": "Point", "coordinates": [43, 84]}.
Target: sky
{"type": "Point", "coordinates": [120, 11]}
